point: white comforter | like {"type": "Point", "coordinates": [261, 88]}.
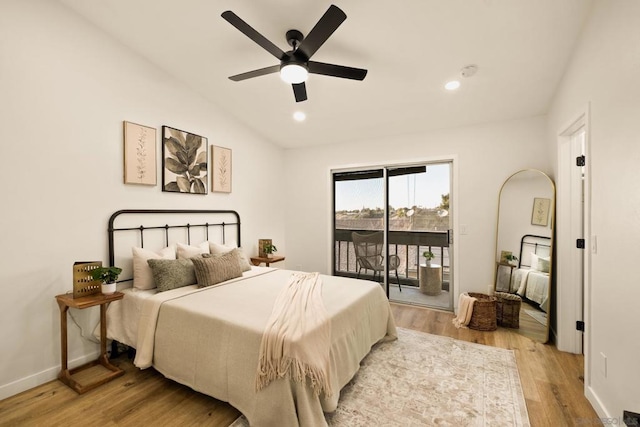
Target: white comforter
{"type": "Point", "coordinates": [532, 284]}
{"type": "Point", "coordinates": [209, 340]}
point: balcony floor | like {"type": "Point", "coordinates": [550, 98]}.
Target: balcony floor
{"type": "Point", "coordinates": [412, 295]}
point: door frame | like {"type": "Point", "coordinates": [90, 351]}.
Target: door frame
{"type": "Point", "coordinates": [453, 205]}
{"type": "Point", "coordinates": [571, 300]}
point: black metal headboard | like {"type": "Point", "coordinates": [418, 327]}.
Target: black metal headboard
{"type": "Point", "coordinates": [534, 243]}
{"type": "Point", "coordinates": [205, 226]}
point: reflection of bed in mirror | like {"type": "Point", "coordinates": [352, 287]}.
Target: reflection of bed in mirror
{"type": "Point", "coordinates": [530, 279]}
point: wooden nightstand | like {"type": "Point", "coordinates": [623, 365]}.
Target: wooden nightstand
{"type": "Point", "coordinates": [64, 302]}
{"type": "Point", "coordinates": [256, 260]}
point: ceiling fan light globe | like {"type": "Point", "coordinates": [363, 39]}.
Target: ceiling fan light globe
{"type": "Point", "coordinates": [294, 73]}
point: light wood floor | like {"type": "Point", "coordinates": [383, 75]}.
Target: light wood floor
{"type": "Point", "coordinates": [551, 381]}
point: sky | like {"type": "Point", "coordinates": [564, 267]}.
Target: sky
{"type": "Point", "coordinates": [424, 189]}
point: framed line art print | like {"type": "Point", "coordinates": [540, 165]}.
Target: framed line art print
{"type": "Point", "coordinates": [139, 154]}
{"type": "Point", "coordinates": [184, 162]}
{"type": "Point", "coordinates": [540, 213]}
{"type": "Point", "coordinates": [220, 169]}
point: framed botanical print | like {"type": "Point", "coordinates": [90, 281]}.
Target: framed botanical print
{"type": "Point", "coordinates": [220, 169]}
{"type": "Point", "coordinates": [184, 162]}
{"type": "Point", "coordinates": [139, 154]}
{"type": "Point", "coordinates": [540, 213]}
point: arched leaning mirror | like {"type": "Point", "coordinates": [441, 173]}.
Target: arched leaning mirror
{"type": "Point", "coordinates": [524, 245]}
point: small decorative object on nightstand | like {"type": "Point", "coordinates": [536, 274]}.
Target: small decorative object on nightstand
{"type": "Point", "coordinates": [269, 250]}
{"type": "Point", "coordinates": [66, 375]}
{"type": "Point", "coordinates": [261, 245]}
{"type": "Point", "coordinates": [108, 277]}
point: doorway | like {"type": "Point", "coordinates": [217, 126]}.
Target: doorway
{"type": "Point", "coordinates": [407, 209]}
{"type": "Point", "coordinates": [574, 243]}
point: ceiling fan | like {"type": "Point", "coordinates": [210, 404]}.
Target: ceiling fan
{"type": "Point", "coordinates": [295, 65]}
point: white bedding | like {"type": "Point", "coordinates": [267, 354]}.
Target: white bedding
{"type": "Point", "coordinates": [209, 339]}
{"type": "Point", "coordinates": [123, 316]}
{"type": "Point", "coordinates": [533, 285]}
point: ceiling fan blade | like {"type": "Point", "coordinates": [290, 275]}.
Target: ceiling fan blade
{"type": "Point", "coordinates": [336, 70]}
{"type": "Point", "coordinates": [319, 34]}
{"type": "Point", "coordinates": [300, 91]}
{"type": "Point", "coordinates": [248, 31]}
{"type": "Point", "coordinates": [255, 73]}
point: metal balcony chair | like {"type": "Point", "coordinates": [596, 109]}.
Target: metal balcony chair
{"type": "Point", "coordinates": [370, 254]}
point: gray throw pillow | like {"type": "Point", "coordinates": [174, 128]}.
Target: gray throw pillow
{"type": "Point", "coordinates": [213, 269]}
{"type": "Point", "coordinates": [242, 259]}
{"type": "Point", "coordinates": [172, 273]}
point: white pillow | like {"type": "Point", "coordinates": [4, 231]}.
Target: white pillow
{"type": "Point", "coordinates": [544, 264]}
{"type": "Point", "coordinates": [218, 249]}
{"type": "Point", "coordinates": [142, 275]}
{"type": "Point", "coordinates": [540, 264]}
{"type": "Point", "coordinates": [534, 262]}
{"type": "Point", "coordinates": [186, 251]}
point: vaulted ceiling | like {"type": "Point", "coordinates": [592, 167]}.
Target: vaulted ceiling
{"type": "Point", "coordinates": [411, 48]}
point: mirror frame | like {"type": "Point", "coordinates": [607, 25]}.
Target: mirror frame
{"type": "Point", "coordinates": [552, 224]}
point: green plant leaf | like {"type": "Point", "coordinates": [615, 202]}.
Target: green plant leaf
{"type": "Point", "coordinates": [175, 166]}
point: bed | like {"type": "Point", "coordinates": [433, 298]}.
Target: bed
{"type": "Point", "coordinates": [209, 338]}
{"type": "Point", "coordinates": [530, 279]}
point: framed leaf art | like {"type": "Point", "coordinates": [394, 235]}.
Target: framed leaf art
{"type": "Point", "coordinates": [220, 169]}
{"type": "Point", "coordinates": [184, 162]}
{"type": "Point", "coordinates": [139, 154]}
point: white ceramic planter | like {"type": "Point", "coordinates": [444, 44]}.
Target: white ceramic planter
{"type": "Point", "coordinates": [108, 288]}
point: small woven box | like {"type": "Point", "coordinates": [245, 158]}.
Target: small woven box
{"type": "Point", "coordinates": [483, 317]}
{"type": "Point", "coordinates": [508, 310]}
{"type": "Point", "coordinates": [83, 283]}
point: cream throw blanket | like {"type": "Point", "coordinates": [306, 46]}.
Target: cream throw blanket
{"type": "Point", "coordinates": [297, 337]}
{"type": "Point", "coordinates": [465, 310]}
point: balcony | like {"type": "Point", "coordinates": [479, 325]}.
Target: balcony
{"type": "Point", "coordinates": [407, 245]}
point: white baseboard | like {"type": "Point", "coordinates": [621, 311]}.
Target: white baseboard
{"type": "Point", "coordinates": [596, 403]}
{"type": "Point", "coordinates": [27, 383]}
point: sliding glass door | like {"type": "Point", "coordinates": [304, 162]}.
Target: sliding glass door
{"type": "Point", "coordinates": [388, 244]}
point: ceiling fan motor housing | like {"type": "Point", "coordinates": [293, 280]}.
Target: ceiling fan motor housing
{"type": "Point", "coordinates": [294, 38]}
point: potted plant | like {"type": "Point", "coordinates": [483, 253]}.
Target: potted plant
{"type": "Point", "coordinates": [428, 256]}
{"type": "Point", "coordinates": [269, 249]}
{"type": "Point", "coordinates": [108, 276]}
{"type": "Point", "coordinates": [511, 259]}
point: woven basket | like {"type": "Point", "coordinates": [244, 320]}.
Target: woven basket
{"type": "Point", "coordinates": [508, 310]}
{"type": "Point", "coordinates": [483, 317]}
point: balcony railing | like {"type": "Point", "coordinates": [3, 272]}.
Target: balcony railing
{"type": "Point", "coordinates": [407, 245]}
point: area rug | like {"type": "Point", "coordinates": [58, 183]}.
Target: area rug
{"type": "Point", "coordinates": [428, 380]}
{"type": "Point", "coordinates": [539, 316]}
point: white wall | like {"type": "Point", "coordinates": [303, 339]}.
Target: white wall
{"type": "Point", "coordinates": [604, 74]}
{"type": "Point", "coordinates": [486, 156]}
{"type": "Point", "coordinates": [65, 90]}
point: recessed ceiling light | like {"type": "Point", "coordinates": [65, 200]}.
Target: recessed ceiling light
{"type": "Point", "coordinates": [299, 116]}
{"type": "Point", "coordinates": [452, 85]}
